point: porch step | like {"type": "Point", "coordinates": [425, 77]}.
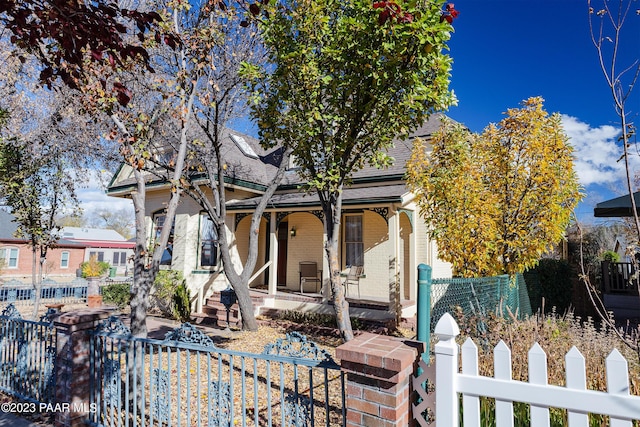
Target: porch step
{"type": "Point", "coordinates": [215, 313]}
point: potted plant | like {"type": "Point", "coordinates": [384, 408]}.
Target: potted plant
{"type": "Point", "coordinates": [93, 270]}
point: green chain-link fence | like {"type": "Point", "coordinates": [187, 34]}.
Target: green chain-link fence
{"type": "Point", "coordinates": [479, 296]}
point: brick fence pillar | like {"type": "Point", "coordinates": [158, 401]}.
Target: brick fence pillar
{"type": "Point", "coordinates": [72, 364]}
{"type": "Point", "coordinates": [378, 386]}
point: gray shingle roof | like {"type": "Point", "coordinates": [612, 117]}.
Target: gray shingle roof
{"type": "Point", "coordinates": [7, 226]}
{"type": "Point", "coordinates": [247, 170]}
{"type": "Point", "coordinates": [350, 196]}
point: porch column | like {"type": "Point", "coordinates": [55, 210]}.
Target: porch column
{"type": "Point", "coordinates": [394, 258]}
{"type": "Point", "coordinates": [273, 254]}
{"type": "Point", "coordinates": [413, 258]}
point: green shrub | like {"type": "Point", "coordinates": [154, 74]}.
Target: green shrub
{"type": "Point", "coordinates": [171, 296]}
{"type": "Point", "coordinates": [551, 280]}
{"type": "Point", "coordinates": [318, 319]}
{"type": "Point", "coordinates": [611, 256]}
{"type": "Point", "coordinates": [182, 303]}
{"type": "Point", "coordinates": [117, 293]}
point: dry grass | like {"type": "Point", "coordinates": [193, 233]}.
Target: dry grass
{"type": "Point", "coordinates": [556, 335]}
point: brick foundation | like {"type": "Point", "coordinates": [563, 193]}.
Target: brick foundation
{"type": "Point", "coordinates": [378, 386]}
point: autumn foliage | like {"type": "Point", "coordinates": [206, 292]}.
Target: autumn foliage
{"type": "Point", "coordinates": [495, 202]}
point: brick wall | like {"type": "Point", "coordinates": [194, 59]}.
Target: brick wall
{"type": "Point", "coordinates": [378, 386]}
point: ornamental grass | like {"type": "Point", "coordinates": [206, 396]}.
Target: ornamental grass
{"type": "Point", "coordinates": [556, 334]}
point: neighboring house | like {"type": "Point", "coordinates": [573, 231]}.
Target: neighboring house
{"type": "Point", "coordinates": [381, 227]}
{"type": "Point", "coordinates": [106, 245]}
{"type": "Point", "coordinates": [17, 256]}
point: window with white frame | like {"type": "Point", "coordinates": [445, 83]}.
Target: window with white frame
{"type": "Point", "coordinates": [208, 242]}
{"type": "Point", "coordinates": [64, 259]}
{"type": "Point", "coordinates": [353, 242]}
{"type": "Point", "coordinates": [159, 220]}
{"type": "Point", "coordinates": [9, 256]}
{"type": "Point", "coordinates": [99, 255]}
{"type": "Point", "coordinates": [119, 258]}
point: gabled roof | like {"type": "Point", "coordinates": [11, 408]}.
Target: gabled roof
{"type": "Point", "coordinates": [247, 164]}
{"type": "Point", "coordinates": [84, 234]}
{"type": "Point", "coordinates": [8, 228]}
{"type": "Point", "coordinates": [250, 166]}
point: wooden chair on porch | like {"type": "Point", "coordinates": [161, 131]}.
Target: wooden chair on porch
{"type": "Point", "coordinates": [309, 273]}
{"type": "Point", "coordinates": [353, 278]}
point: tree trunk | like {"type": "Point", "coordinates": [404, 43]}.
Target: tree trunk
{"type": "Point", "coordinates": [332, 207]}
{"type": "Point", "coordinates": [34, 281]}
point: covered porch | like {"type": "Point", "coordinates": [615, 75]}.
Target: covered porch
{"type": "Point", "coordinates": [378, 232]}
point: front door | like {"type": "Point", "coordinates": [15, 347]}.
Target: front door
{"type": "Point", "coordinates": [283, 240]}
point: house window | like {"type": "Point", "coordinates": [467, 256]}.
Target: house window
{"type": "Point", "coordinates": [9, 256]}
{"type": "Point", "coordinates": [119, 258]}
{"type": "Point", "coordinates": [158, 221]}
{"type": "Point", "coordinates": [208, 242]}
{"type": "Point", "coordinates": [64, 259]}
{"type": "Point", "coordinates": [353, 244]}
{"type": "Point", "coordinates": [99, 255]}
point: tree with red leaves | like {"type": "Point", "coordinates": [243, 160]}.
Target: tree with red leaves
{"type": "Point", "coordinates": [449, 13]}
{"type": "Point", "coordinates": [60, 33]}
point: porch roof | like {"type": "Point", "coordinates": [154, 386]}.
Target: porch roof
{"type": "Point", "coordinates": [618, 207]}
{"type": "Point", "coordinates": [350, 196]}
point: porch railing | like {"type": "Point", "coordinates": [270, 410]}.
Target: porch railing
{"type": "Point", "coordinates": [619, 278]}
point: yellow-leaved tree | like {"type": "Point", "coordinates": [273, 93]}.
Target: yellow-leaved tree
{"type": "Point", "coordinates": [495, 202]}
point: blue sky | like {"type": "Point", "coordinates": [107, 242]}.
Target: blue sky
{"type": "Point", "coordinates": [505, 51]}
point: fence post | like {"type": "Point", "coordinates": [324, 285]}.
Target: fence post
{"type": "Point", "coordinates": [378, 386]}
{"type": "Point", "coordinates": [424, 309]}
{"type": "Point", "coordinates": [73, 364]}
{"type": "Point", "coordinates": [446, 351]}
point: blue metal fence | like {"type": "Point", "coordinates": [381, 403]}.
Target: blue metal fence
{"type": "Point", "coordinates": [74, 292]}
{"type": "Point", "coordinates": [27, 357]}
{"type": "Point", "coordinates": [185, 380]}
{"type": "Point", "coordinates": [19, 293]}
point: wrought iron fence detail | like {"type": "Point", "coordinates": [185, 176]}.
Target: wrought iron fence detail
{"type": "Point", "coordinates": [297, 411]}
{"type": "Point", "coordinates": [27, 357]}
{"type": "Point", "coordinates": [113, 325]}
{"type": "Point", "coordinates": [112, 382]}
{"type": "Point", "coordinates": [189, 334]}
{"type": "Point", "coordinates": [185, 380]}
{"type": "Point", "coordinates": [296, 345]}
{"type": "Point", "coordinates": [159, 395]}
{"type": "Point", "coordinates": [220, 402]}
{"type": "Point", "coordinates": [11, 312]}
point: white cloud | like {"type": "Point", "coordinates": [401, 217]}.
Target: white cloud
{"type": "Point", "coordinates": [597, 152]}
{"type": "Point", "coordinates": [91, 192]}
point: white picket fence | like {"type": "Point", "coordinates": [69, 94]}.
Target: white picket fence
{"type": "Point", "coordinates": [616, 403]}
